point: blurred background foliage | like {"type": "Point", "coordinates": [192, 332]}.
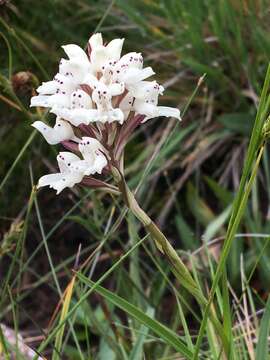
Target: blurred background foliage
{"type": "Point", "coordinates": [191, 182]}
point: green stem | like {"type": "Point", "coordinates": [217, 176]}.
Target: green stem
{"type": "Point", "coordinates": [178, 267]}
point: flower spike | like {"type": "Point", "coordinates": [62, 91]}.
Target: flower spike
{"type": "Point", "coordinates": [99, 98]}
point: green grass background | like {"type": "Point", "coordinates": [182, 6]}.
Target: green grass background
{"type": "Point", "coordinates": [189, 187]}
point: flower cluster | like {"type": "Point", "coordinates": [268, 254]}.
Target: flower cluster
{"type": "Point", "coordinates": [99, 98]}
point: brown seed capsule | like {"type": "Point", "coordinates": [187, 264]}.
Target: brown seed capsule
{"type": "Point", "coordinates": [22, 81]}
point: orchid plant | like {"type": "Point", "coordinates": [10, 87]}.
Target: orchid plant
{"type": "Point", "coordinates": [99, 99]}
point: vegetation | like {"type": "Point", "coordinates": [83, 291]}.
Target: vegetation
{"type": "Point", "coordinates": [80, 278]}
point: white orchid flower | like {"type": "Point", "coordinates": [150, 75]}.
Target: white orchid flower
{"type": "Point", "coordinates": [79, 110]}
{"type": "Point", "coordinates": [67, 177]}
{"type": "Point", "coordinates": [73, 169]}
{"type": "Point", "coordinates": [93, 153]}
{"type": "Point", "coordinates": [61, 131]}
{"type": "Point", "coordinates": [146, 99]}
{"type": "Point", "coordinates": [129, 69]}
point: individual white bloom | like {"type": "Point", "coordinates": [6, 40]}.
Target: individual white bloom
{"type": "Point", "coordinates": [61, 131]}
{"type": "Point", "coordinates": [93, 153]}
{"type": "Point", "coordinates": [128, 70]}
{"type": "Point", "coordinates": [67, 177]}
{"type": "Point", "coordinates": [73, 169]}
{"type": "Point", "coordinates": [101, 54]}
{"type": "Point", "coordinates": [74, 69]}
{"type": "Point", "coordinates": [80, 110]}
{"type": "Point", "coordinates": [146, 99]}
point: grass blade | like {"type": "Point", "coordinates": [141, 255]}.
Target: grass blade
{"type": "Point", "coordinates": [262, 347]}
{"type": "Point", "coordinates": [165, 333]}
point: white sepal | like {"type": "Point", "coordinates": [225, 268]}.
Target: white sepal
{"type": "Point", "coordinates": [48, 88]}
{"type": "Point", "coordinates": [148, 90]}
{"type": "Point", "coordinates": [100, 54]}
{"type": "Point", "coordinates": [134, 75]}
{"type": "Point", "coordinates": [130, 60]}
{"type": "Point", "coordinates": [114, 49]}
{"type": "Point", "coordinates": [60, 100]}
{"type": "Point", "coordinates": [75, 52]}
{"type": "Point", "coordinates": [96, 40]}
{"type": "Point", "coordinates": [169, 112]}
{"type": "Point", "coordinates": [61, 131]}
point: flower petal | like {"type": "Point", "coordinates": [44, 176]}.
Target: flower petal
{"type": "Point", "coordinates": [130, 60]}
{"type": "Point", "coordinates": [111, 116]}
{"type": "Point", "coordinates": [66, 160]}
{"type": "Point", "coordinates": [169, 112]}
{"type": "Point", "coordinates": [75, 69]}
{"type": "Point", "coordinates": [75, 52]}
{"type": "Point", "coordinates": [114, 49]}
{"type": "Point", "coordinates": [60, 132]}
{"type": "Point", "coordinates": [48, 87]}
{"type": "Point", "coordinates": [76, 116]}
{"type": "Point", "coordinates": [40, 100]}
{"type": "Point", "coordinates": [134, 75]}
{"type": "Point", "coordinates": [60, 100]}
{"type": "Point", "coordinates": [60, 181]}
{"type": "Point", "coordinates": [143, 108]}
{"type": "Point", "coordinates": [95, 40]}
{"type": "Point", "coordinates": [148, 90]}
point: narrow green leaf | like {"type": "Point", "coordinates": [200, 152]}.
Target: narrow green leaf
{"type": "Point", "coordinates": [166, 334]}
